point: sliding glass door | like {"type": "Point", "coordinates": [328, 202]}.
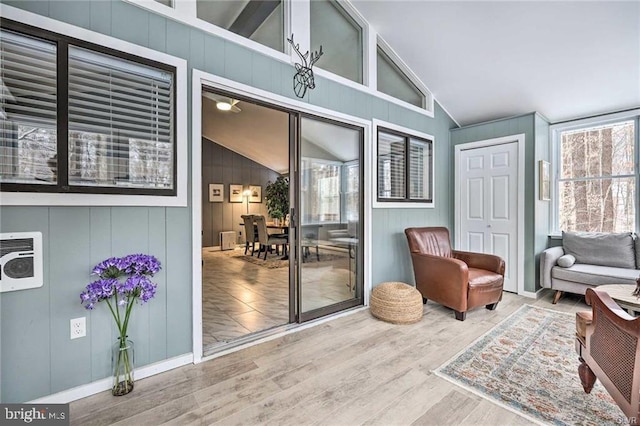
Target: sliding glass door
{"type": "Point", "coordinates": [328, 229]}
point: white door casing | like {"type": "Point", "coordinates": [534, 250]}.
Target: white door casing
{"type": "Point", "coordinates": [202, 79]}
{"type": "Point", "coordinates": [489, 208]}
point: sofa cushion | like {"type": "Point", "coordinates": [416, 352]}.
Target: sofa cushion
{"type": "Point", "coordinates": [583, 319]}
{"type": "Point", "coordinates": [595, 275]}
{"type": "Point", "coordinates": [605, 249]}
{"type": "Point", "coordinates": [566, 261]}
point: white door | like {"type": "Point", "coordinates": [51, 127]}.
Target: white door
{"type": "Point", "coordinates": [488, 203]}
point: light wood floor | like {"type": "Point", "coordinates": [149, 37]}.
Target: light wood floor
{"type": "Point", "coordinates": [352, 370]}
{"type": "Point", "coordinates": [239, 298]}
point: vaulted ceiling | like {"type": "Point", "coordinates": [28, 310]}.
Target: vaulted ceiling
{"type": "Point", "coordinates": [489, 60]}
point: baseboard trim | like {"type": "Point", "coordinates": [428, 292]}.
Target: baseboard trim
{"type": "Point", "coordinates": [66, 396]}
{"type": "Point", "coordinates": [531, 294]}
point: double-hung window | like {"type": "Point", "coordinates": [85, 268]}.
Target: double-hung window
{"type": "Point", "coordinates": [405, 167]}
{"type": "Point", "coordinates": [80, 118]}
{"type": "Point", "coordinates": [597, 176]}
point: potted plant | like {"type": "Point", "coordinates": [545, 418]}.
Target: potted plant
{"type": "Point", "coordinates": [277, 196]}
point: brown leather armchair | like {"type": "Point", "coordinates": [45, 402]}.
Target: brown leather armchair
{"type": "Point", "coordinates": [459, 280]}
{"type": "Point", "coordinates": [608, 344]}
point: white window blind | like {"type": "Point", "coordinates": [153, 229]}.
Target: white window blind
{"type": "Point", "coordinates": [121, 129]}
{"type": "Point", "coordinates": [419, 173]}
{"type": "Point", "coordinates": [28, 111]}
{"type": "Point", "coordinates": [391, 166]}
{"type": "Point", "coordinates": [352, 191]}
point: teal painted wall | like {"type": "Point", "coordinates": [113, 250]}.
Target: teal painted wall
{"type": "Point", "coordinates": [391, 260]}
{"type": "Point", "coordinates": [495, 129]}
{"type": "Point", "coordinates": [37, 356]}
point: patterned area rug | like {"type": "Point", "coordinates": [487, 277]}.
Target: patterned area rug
{"type": "Point", "coordinates": [528, 365]}
{"type": "Point", "coordinates": [275, 260]}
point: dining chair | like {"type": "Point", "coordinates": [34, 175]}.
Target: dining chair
{"type": "Point", "coordinates": [251, 236]}
{"type": "Point", "coordinates": [265, 240]}
{"type": "Point", "coordinates": [309, 240]}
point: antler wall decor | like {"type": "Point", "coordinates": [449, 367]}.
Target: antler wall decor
{"type": "Point", "coordinates": [303, 79]}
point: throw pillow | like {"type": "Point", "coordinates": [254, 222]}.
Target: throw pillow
{"type": "Point", "coordinates": [599, 248]}
{"type": "Point", "coordinates": [566, 261]}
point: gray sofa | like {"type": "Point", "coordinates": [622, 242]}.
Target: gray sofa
{"type": "Point", "coordinates": [588, 260]}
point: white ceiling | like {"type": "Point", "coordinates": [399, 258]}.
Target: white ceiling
{"type": "Point", "coordinates": [258, 133]}
{"type": "Point", "coordinates": [262, 135]}
{"type": "Point", "coordinates": [489, 60]}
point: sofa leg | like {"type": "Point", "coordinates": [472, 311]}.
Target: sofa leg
{"type": "Point", "coordinates": [587, 378]}
{"type": "Point", "coordinates": [492, 306]}
{"type": "Point", "coordinates": [460, 316]}
{"type": "Point", "coordinates": [424, 300]}
{"type": "Point", "coordinates": [557, 296]}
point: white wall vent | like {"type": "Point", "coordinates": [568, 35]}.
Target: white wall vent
{"type": "Point", "coordinates": [227, 240]}
{"type": "Point", "coordinates": [20, 261]}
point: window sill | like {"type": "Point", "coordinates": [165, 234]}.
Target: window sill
{"type": "Point", "coordinates": [402, 205]}
{"type": "Point", "coordinates": [100, 200]}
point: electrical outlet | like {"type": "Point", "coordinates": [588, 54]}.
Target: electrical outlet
{"type": "Point", "coordinates": [78, 327]}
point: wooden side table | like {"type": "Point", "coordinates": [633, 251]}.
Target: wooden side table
{"type": "Point", "coordinates": [622, 295]}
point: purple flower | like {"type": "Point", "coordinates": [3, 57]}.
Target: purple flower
{"type": "Point", "coordinates": [137, 268]}
{"type": "Point", "coordinates": [141, 264]}
{"type": "Point", "coordinates": [113, 267]}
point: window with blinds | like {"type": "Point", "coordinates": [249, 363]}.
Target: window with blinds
{"type": "Point", "coordinates": [120, 122]}
{"type": "Point", "coordinates": [405, 166]}
{"type": "Point", "coordinates": [28, 110]}
{"type": "Point", "coordinates": [76, 117]}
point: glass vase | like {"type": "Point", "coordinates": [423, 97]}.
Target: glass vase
{"type": "Point", "coordinates": [122, 363]}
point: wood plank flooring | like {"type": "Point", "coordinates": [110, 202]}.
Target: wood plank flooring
{"type": "Point", "coordinates": [352, 370]}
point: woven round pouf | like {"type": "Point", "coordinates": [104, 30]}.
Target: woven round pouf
{"type": "Point", "coordinates": [397, 303]}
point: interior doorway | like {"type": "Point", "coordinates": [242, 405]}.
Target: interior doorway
{"type": "Point", "coordinates": [489, 202]}
{"type": "Point", "coordinates": [311, 263]}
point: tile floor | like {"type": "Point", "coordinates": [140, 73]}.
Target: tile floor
{"type": "Point", "coordinates": [240, 297]}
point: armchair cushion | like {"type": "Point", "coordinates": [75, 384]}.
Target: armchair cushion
{"type": "Point", "coordinates": [434, 241]}
{"type": "Point", "coordinates": [484, 261]}
{"type": "Point", "coordinates": [583, 319]}
{"type": "Point", "coordinates": [594, 275]}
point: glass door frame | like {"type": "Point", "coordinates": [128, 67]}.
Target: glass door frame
{"type": "Point", "coordinates": [295, 269]}
{"type": "Point", "coordinates": [295, 249]}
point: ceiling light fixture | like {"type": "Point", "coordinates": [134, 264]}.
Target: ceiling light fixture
{"type": "Point", "coordinates": [223, 106]}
